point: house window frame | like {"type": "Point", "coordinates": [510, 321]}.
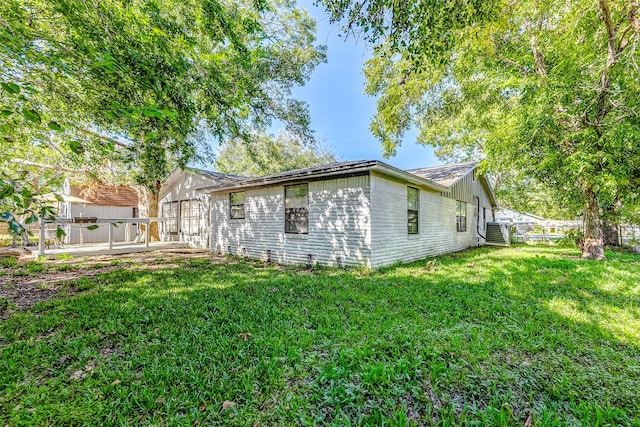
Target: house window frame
{"type": "Point", "coordinates": [167, 225]}
{"type": "Point", "coordinates": [461, 220]}
{"type": "Point", "coordinates": [415, 212]}
{"type": "Point", "coordinates": [299, 210]}
{"type": "Point", "coordinates": [232, 205]}
{"type": "Point", "coordinates": [191, 217]}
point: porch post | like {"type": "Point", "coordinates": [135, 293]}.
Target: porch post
{"type": "Point", "coordinates": [146, 233]}
{"type": "Point", "coordinates": [41, 242]}
{"type": "Point", "coordinates": [110, 236]}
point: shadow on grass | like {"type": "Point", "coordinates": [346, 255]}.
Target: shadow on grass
{"type": "Point", "coordinates": [484, 336]}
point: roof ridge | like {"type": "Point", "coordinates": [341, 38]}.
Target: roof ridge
{"type": "Point", "coordinates": [444, 166]}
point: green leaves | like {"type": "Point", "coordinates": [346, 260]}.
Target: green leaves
{"type": "Point", "coordinates": [31, 115]}
{"type": "Point", "coordinates": [54, 126]}
{"type": "Point", "coordinates": [10, 87]}
{"type": "Point", "coordinates": [76, 147]}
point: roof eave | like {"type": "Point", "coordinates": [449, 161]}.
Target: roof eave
{"type": "Point", "coordinates": [374, 165]}
{"type": "Point", "coordinates": [487, 186]}
{"type": "Point", "coordinates": [223, 188]}
{"type": "Point", "coordinates": [409, 177]}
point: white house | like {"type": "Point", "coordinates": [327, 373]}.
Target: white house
{"type": "Point", "coordinates": [349, 213]}
{"type": "Point", "coordinates": [511, 216]}
{"type": "Point", "coordinates": [187, 211]}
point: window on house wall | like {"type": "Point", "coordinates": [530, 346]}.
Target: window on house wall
{"type": "Point", "coordinates": [412, 210]}
{"type": "Point", "coordinates": [296, 209]}
{"type": "Point", "coordinates": [236, 203]}
{"type": "Point", "coordinates": [461, 216]}
{"type": "Point", "coordinates": [170, 212]}
{"type": "Point", "coordinates": [190, 217]}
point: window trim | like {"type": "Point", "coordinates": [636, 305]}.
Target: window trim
{"type": "Point", "coordinates": [190, 217]}
{"type": "Point", "coordinates": [177, 217]}
{"type": "Point", "coordinates": [286, 220]}
{"type": "Point", "coordinates": [231, 205]}
{"type": "Point", "coordinates": [461, 220]}
{"type": "Point", "coordinates": [417, 211]}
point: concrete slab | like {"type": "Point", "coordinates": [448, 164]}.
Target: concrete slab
{"type": "Point", "coordinates": [93, 249]}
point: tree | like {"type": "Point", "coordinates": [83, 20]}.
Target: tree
{"type": "Point", "coordinates": [548, 88]}
{"type": "Point", "coordinates": [131, 82]}
{"type": "Point", "coordinates": [266, 154]}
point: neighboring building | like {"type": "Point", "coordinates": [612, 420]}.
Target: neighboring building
{"type": "Point", "coordinates": [186, 211]}
{"type": "Point", "coordinates": [356, 213]}
{"type": "Point", "coordinates": [83, 204]}
{"type": "Point", "coordinates": [511, 216]}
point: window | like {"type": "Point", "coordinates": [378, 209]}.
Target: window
{"type": "Point", "coordinates": [170, 211]}
{"type": "Point", "coordinates": [412, 210]}
{"type": "Point", "coordinates": [236, 205]}
{"type": "Point", "coordinates": [296, 211]}
{"type": "Point", "coordinates": [461, 216]}
{"type": "Point", "coordinates": [190, 216]}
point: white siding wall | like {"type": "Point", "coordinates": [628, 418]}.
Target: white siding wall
{"type": "Point", "coordinates": [436, 224]}
{"type": "Point", "coordinates": [437, 220]}
{"type": "Point", "coordinates": [339, 224]}
{"type": "Point", "coordinates": [77, 233]}
{"type": "Point", "coordinates": [183, 186]}
{"type": "Point", "coordinates": [470, 190]}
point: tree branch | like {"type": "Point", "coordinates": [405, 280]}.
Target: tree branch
{"type": "Point", "coordinates": [105, 138]}
{"type": "Point", "coordinates": [611, 32]}
{"type": "Point", "coordinates": [45, 166]}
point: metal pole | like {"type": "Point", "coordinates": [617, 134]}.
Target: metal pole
{"type": "Point", "coordinates": [41, 242]}
{"type": "Point", "coordinates": [110, 236]}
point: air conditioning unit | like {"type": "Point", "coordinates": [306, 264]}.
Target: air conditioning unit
{"type": "Point", "coordinates": [497, 234]}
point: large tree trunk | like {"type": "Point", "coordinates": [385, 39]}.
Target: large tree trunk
{"type": "Point", "coordinates": [611, 223]}
{"type": "Point", "coordinates": [593, 246]}
{"type": "Point", "coordinates": [611, 233]}
{"type": "Point", "coordinates": [148, 206]}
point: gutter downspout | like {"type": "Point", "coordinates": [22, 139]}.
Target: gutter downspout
{"type": "Point", "coordinates": [478, 221]}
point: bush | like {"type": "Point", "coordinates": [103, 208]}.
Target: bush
{"type": "Point", "coordinates": [572, 237]}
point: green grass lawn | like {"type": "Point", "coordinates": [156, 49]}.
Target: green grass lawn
{"type": "Point", "coordinates": [518, 336]}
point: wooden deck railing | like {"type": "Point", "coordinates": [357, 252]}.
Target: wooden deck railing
{"type": "Point", "coordinates": [110, 221]}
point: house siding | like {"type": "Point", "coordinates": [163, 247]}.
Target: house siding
{"type": "Point", "coordinates": [339, 224]}
{"type": "Point", "coordinates": [436, 225]}
{"type": "Point", "coordinates": [470, 190]}
{"type": "Point", "coordinates": [183, 186]}
{"type": "Point", "coordinates": [78, 233]}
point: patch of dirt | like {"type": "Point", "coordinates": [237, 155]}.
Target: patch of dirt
{"type": "Point", "coordinates": [24, 284]}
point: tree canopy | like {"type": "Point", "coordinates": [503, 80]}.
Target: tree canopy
{"type": "Point", "coordinates": [549, 89]}
{"type": "Point", "coordinates": [147, 75]}
{"type": "Point", "coordinates": [266, 154]}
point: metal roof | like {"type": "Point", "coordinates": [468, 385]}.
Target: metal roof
{"type": "Point", "coordinates": [446, 175]}
{"type": "Point", "coordinates": [331, 169]}
{"type": "Point", "coordinates": [215, 175]}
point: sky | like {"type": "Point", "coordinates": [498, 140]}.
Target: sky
{"type": "Point", "coordinates": [340, 111]}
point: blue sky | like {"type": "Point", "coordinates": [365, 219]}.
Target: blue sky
{"type": "Point", "coordinates": [340, 112]}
